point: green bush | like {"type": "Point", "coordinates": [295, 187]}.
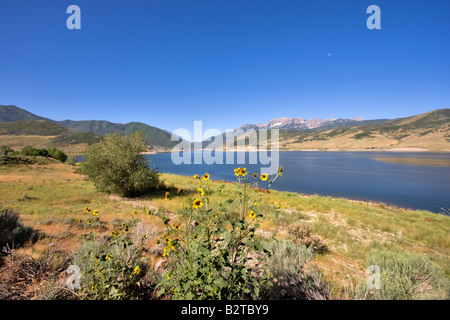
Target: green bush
{"type": "Point", "coordinates": [7, 151]}
{"type": "Point", "coordinates": [116, 165]}
{"type": "Point", "coordinates": [405, 276]}
{"type": "Point", "coordinates": [213, 252]}
{"type": "Point", "coordinates": [52, 152]}
{"type": "Point", "coordinates": [57, 154]}
{"type": "Point", "coordinates": [41, 153]}
{"type": "Point", "coordinates": [112, 267]}
{"type": "Point", "coordinates": [13, 233]}
{"type": "Point", "coordinates": [27, 151]}
{"type": "Point", "coordinates": [294, 276]}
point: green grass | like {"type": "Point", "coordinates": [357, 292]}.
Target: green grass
{"type": "Point", "coordinates": [371, 226]}
{"type": "Point", "coordinates": [32, 127]}
{"type": "Point", "coordinates": [349, 229]}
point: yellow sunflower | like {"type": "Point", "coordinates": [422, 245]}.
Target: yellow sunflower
{"type": "Point", "coordinates": [252, 214]}
{"type": "Point", "coordinates": [206, 177]}
{"type": "Point", "coordinates": [197, 203]}
{"type": "Point", "coordinates": [264, 177]}
{"type": "Point", "coordinates": [176, 226]}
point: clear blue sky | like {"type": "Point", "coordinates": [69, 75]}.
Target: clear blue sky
{"type": "Point", "coordinates": [226, 62]}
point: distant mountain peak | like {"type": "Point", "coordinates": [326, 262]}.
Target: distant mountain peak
{"type": "Point", "coordinates": [302, 124]}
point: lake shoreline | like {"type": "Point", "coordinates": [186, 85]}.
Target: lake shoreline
{"type": "Point", "coordinates": [417, 181]}
{"type": "Point", "coordinates": [370, 203]}
{"type": "Point", "coordinates": [394, 150]}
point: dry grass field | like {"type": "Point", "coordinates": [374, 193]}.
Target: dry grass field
{"type": "Point", "coordinates": [51, 197]}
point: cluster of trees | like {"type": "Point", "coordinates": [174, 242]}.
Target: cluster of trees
{"type": "Point", "coordinates": [51, 152]}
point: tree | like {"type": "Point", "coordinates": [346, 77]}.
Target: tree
{"type": "Point", "coordinates": [27, 151]}
{"type": "Point", "coordinates": [41, 152]}
{"type": "Point", "coordinates": [57, 154]}
{"type": "Point", "coordinates": [116, 165]}
{"type": "Point", "coordinates": [6, 151]}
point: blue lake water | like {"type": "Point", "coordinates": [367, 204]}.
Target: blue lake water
{"type": "Point", "coordinates": [352, 175]}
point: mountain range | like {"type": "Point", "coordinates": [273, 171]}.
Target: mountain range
{"type": "Point", "coordinates": [15, 121]}
{"type": "Point", "coordinates": [430, 130]}
{"type": "Point", "coordinates": [286, 123]}
{"type": "Point", "coordinates": [427, 131]}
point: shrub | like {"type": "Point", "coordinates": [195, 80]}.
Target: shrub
{"type": "Point", "coordinates": [27, 151]}
{"type": "Point", "coordinates": [52, 152]}
{"type": "Point", "coordinates": [57, 154]}
{"type": "Point", "coordinates": [302, 235]}
{"type": "Point", "coordinates": [212, 252]}
{"type": "Point", "coordinates": [25, 277]}
{"type": "Point", "coordinates": [41, 152]}
{"type": "Point", "coordinates": [12, 232]}
{"type": "Point", "coordinates": [112, 267]}
{"type": "Point", "coordinates": [405, 276]}
{"type": "Point", "coordinates": [116, 165]}
{"type": "Point", "coordinates": [7, 151]}
{"type": "Point", "coordinates": [294, 276]}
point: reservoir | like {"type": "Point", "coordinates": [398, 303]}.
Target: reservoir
{"type": "Point", "coordinates": [409, 180]}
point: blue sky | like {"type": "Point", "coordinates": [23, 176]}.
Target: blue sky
{"type": "Point", "coordinates": [225, 62]}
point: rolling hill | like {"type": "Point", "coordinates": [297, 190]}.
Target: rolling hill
{"type": "Point", "coordinates": [428, 131]}
{"type": "Point", "coordinates": [159, 139]}
{"type": "Point", "coordinates": [44, 134]}
{"type": "Point", "coordinates": [12, 113]}
{"type": "Point", "coordinates": [19, 128]}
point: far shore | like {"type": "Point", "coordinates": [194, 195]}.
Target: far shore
{"type": "Point", "coordinates": [393, 150]}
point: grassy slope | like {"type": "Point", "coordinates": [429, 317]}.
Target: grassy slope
{"type": "Point", "coordinates": [43, 134]}
{"type": "Point", "coordinates": [349, 229]}
{"type": "Point", "coordinates": [71, 135]}
{"type": "Point", "coordinates": [13, 113]}
{"type": "Point", "coordinates": [158, 138]}
{"type": "Point", "coordinates": [427, 131]}
{"type": "Point", "coordinates": [32, 127]}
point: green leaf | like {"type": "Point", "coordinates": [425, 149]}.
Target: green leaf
{"type": "Point", "coordinates": [190, 296]}
{"type": "Point", "coordinates": [160, 292]}
{"type": "Point", "coordinates": [220, 282]}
